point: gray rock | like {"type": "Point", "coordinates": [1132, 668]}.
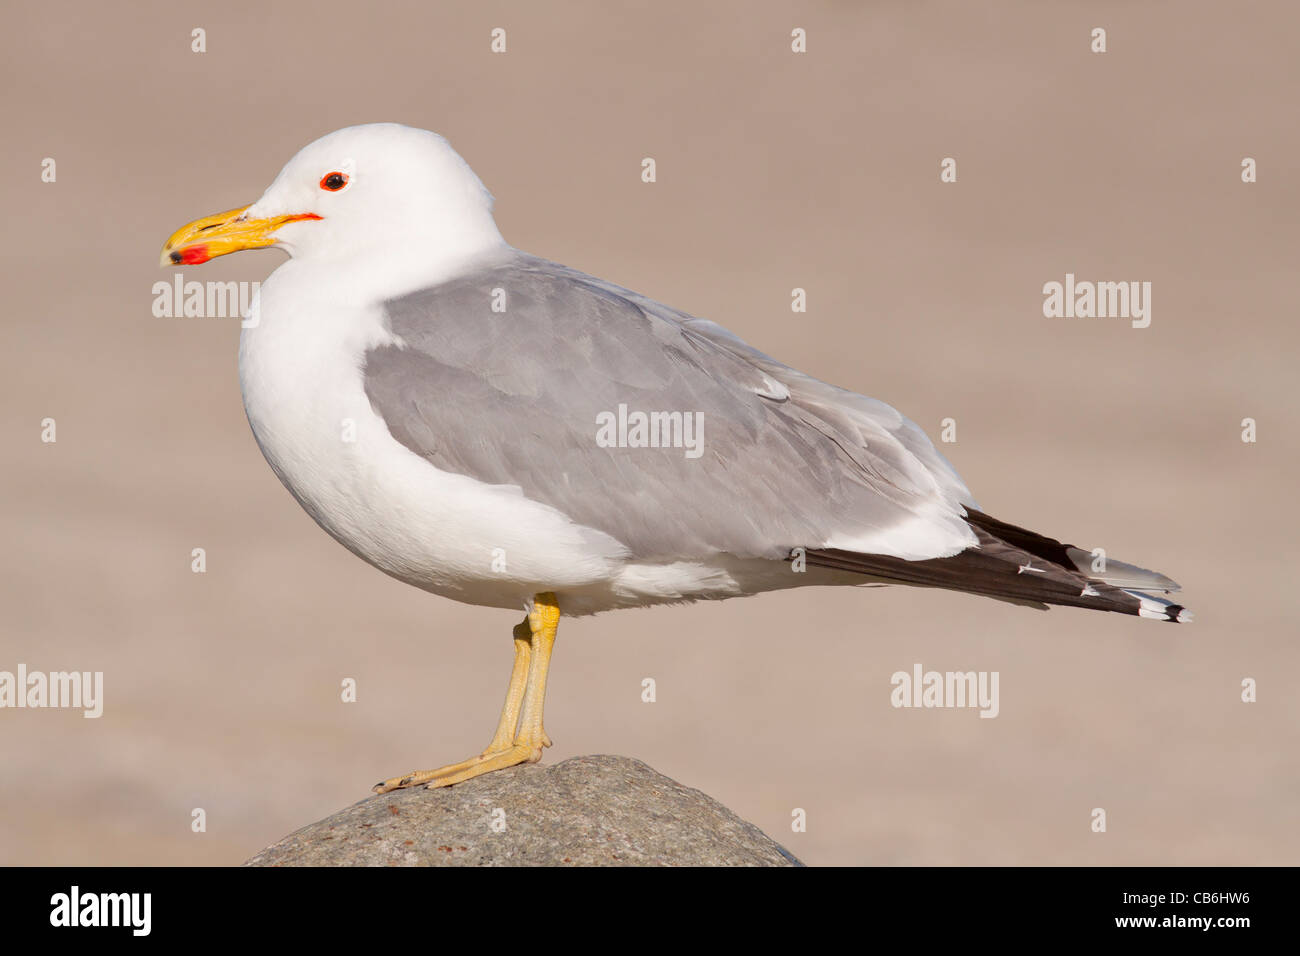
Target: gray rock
{"type": "Point", "coordinates": [587, 811]}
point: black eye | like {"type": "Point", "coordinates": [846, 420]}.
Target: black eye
{"type": "Point", "coordinates": [334, 181]}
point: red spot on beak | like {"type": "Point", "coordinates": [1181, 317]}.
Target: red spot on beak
{"type": "Point", "coordinates": [193, 255]}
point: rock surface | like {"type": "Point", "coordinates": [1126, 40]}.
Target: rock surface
{"type": "Point", "coordinates": [587, 811]}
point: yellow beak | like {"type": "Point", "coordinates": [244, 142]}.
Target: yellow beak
{"type": "Point", "coordinates": [229, 231]}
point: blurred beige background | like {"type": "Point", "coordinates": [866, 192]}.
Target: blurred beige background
{"type": "Point", "coordinates": [775, 171]}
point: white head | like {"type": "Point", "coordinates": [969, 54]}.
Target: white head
{"type": "Point", "coordinates": [382, 191]}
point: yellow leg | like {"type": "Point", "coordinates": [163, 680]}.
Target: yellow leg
{"type": "Point", "coordinates": [515, 695]}
{"type": "Point", "coordinates": [520, 736]}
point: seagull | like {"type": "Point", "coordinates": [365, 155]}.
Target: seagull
{"type": "Point", "coordinates": [506, 431]}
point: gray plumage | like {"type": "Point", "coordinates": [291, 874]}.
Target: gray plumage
{"type": "Point", "coordinates": [513, 397]}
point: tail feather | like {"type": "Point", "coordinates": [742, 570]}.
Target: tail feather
{"type": "Point", "coordinates": [1118, 573]}
{"type": "Point", "coordinates": [1014, 564]}
{"type": "Point", "coordinates": [1157, 608]}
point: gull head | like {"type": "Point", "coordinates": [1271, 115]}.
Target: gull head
{"type": "Point", "coordinates": [382, 191]}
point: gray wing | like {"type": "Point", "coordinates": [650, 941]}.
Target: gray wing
{"type": "Point", "coordinates": [516, 397]}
